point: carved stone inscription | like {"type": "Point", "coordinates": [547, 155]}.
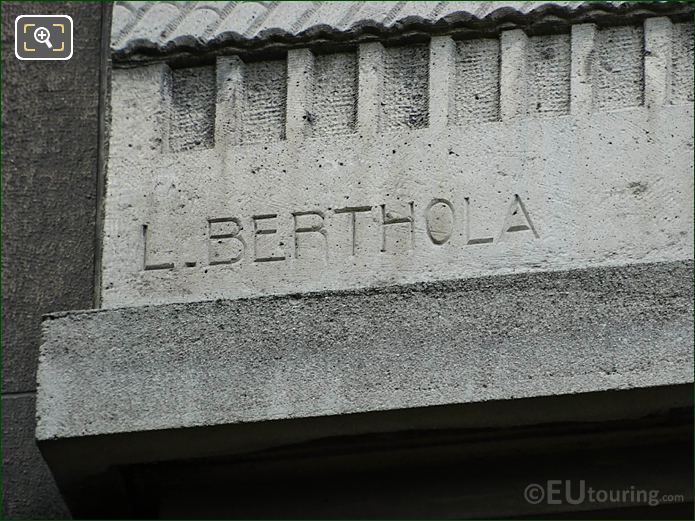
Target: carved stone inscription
{"type": "Point", "coordinates": [396, 164]}
{"type": "Point", "coordinates": [230, 241]}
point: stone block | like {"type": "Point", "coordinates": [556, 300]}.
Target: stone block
{"type": "Point", "coordinates": [330, 354]}
{"type": "Point", "coordinates": [378, 164]}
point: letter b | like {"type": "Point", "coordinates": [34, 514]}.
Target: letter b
{"type": "Point", "coordinates": [225, 245]}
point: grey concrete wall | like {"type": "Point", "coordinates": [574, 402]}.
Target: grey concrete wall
{"type": "Point", "coordinates": [50, 128]}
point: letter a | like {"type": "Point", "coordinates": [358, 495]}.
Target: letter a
{"type": "Point", "coordinates": [517, 219]}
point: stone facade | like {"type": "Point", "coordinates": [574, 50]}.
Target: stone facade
{"type": "Point", "coordinates": [332, 230]}
{"type": "Point", "coordinates": [465, 156]}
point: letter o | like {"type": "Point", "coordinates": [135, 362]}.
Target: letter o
{"type": "Point", "coordinates": [439, 219]}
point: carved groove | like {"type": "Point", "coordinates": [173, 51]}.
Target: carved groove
{"type": "Point", "coordinates": [405, 92]}
{"type": "Point", "coordinates": [618, 69]}
{"type": "Point", "coordinates": [265, 85]}
{"type": "Point", "coordinates": [549, 62]}
{"type": "Point", "coordinates": [193, 108]}
{"type": "Point", "coordinates": [477, 84]}
{"type": "Point", "coordinates": [334, 94]}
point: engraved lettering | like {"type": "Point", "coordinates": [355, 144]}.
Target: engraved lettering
{"type": "Point", "coordinates": [354, 210]}
{"type": "Point", "coordinates": [225, 245]}
{"type": "Point", "coordinates": [258, 233]}
{"type": "Point", "coordinates": [439, 221]}
{"type": "Point", "coordinates": [145, 265]}
{"type": "Point", "coordinates": [481, 240]}
{"type": "Point", "coordinates": [517, 219]}
{"type": "Point", "coordinates": [313, 236]}
{"type": "Point", "coordinates": [389, 218]}
{"type": "Point", "coordinates": [309, 228]}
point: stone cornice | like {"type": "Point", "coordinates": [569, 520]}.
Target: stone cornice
{"type": "Point", "coordinates": [149, 29]}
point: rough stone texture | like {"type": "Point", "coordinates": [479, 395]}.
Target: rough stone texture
{"type": "Point", "coordinates": [50, 129]}
{"type": "Point", "coordinates": [618, 68]}
{"type": "Point", "coordinates": [404, 99]}
{"type": "Point", "coordinates": [265, 85]}
{"type": "Point", "coordinates": [682, 64]}
{"type": "Point", "coordinates": [193, 108]}
{"type": "Point", "coordinates": [334, 94]}
{"type": "Point", "coordinates": [496, 338]}
{"type": "Point", "coordinates": [549, 60]}
{"type": "Point", "coordinates": [172, 25]}
{"type": "Point", "coordinates": [28, 489]}
{"type": "Point", "coordinates": [477, 83]}
{"type": "Point", "coordinates": [50, 141]}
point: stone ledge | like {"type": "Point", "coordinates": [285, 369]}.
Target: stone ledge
{"type": "Point", "coordinates": [302, 356]}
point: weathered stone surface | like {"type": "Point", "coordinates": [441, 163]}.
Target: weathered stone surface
{"type": "Point", "coordinates": [248, 360]}
{"type": "Point", "coordinates": [577, 152]}
{"type": "Point", "coordinates": [50, 150]}
{"type": "Point", "coordinates": [193, 108]}
{"type": "Point", "coordinates": [167, 26]}
{"type": "Point", "coordinates": [682, 63]}
{"type": "Point", "coordinates": [50, 130]}
{"type": "Point", "coordinates": [28, 489]}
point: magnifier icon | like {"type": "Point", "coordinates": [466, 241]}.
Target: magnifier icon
{"type": "Point", "coordinates": [42, 35]}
